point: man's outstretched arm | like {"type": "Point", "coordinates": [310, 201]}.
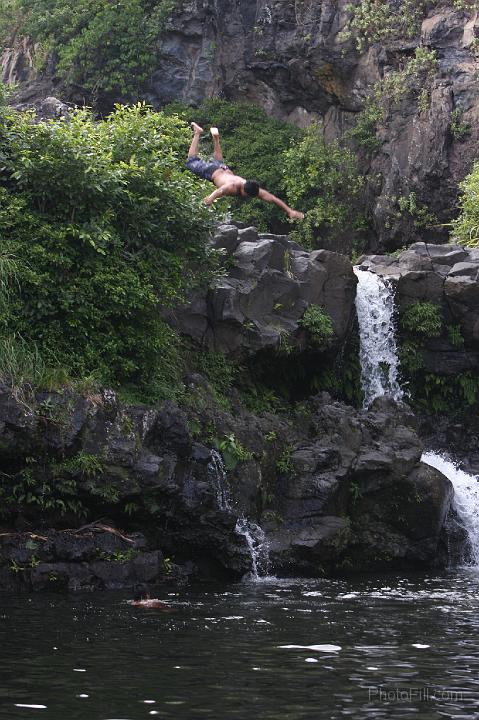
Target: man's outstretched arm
{"type": "Point", "coordinates": [220, 192]}
{"type": "Point", "coordinates": [269, 197]}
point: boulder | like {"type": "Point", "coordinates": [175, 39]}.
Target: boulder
{"type": "Point", "coordinates": [270, 284]}
{"type": "Point", "coordinates": [358, 494]}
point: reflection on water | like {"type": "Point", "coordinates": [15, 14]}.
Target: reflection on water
{"type": "Point", "coordinates": [390, 647]}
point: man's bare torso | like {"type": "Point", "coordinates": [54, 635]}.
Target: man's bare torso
{"type": "Point", "coordinates": [232, 183]}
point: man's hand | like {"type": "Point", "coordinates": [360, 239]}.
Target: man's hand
{"type": "Point", "coordinates": [209, 200]}
{"type": "Point", "coordinates": [295, 215]}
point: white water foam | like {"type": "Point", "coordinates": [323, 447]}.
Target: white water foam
{"type": "Point", "coordinates": [466, 496]}
{"type": "Point", "coordinates": [378, 351]}
{"type": "Point", "coordinates": [251, 531]}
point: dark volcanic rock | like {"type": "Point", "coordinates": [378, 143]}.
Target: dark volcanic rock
{"type": "Point", "coordinates": [353, 493]}
{"type": "Point", "coordinates": [359, 496]}
{"type": "Point", "coordinates": [448, 276]}
{"type": "Point", "coordinates": [269, 286]}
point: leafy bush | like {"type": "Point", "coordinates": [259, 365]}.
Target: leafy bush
{"type": "Point", "coordinates": [454, 395]}
{"type": "Point", "coordinates": [285, 464]}
{"type": "Point", "coordinates": [252, 144]}
{"type": "Point", "coordinates": [101, 226]}
{"type": "Point", "coordinates": [466, 227]}
{"type": "Point", "coordinates": [422, 318]}
{"type": "Point", "coordinates": [11, 20]}
{"type": "Point", "coordinates": [318, 324]}
{"type": "Point", "coordinates": [233, 451]}
{"type": "Point", "coordinates": [459, 128]}
{"type": "Point", "coordinates": [101, 46]}
{"type": "Point", "coordinates": [377, 21]}
{"type": "Point", "coordinates": [220, 370]}
{"type": "Point", "coordinates": [322, 179]}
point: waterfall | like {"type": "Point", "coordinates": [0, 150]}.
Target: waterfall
{"type": "Point", "coordinates": [379, 376]}
{"type": "Point", "coordinates": [251, 531]}
{"type": "Point", "coordinates": [217, 474]}
{"type": "Point", "coordinates": [466, 496]}
{"type": "Point", "coordinates": [377, 349]}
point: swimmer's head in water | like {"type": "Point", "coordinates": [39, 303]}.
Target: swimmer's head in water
{"type": "Point", "coordinates": [141, 593]}
{"type": "Point", "coordinates": [251, 188]}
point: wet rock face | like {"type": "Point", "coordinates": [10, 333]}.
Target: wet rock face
{"type": "Point", "coordinates": [350, 495]}
{"type": "Point", "coordinates": [92, 558]}
{"type": "Point", "coordinates": [143, 459]}
{"type": "Point", "coordinates": [16, 62]}
{"type": "Point", "coordinates": [448, 276]}
{"type": "Point", "coordinates": [359, 497]}
{"type": "Point", "coordinates": [270, 284]}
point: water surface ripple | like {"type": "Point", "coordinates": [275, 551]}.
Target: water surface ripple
{"type": "Point", "coordinates": [389, 647]}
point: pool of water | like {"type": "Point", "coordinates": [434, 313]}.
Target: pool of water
{"type": "Point", "coordinates": [388, 647]}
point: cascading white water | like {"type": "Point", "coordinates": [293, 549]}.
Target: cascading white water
{"type": "Point", "coordinates": [377, 352]}
{"type": "Point", "coordinates": [379, 376]}
{"type": "Point", "coordinates": [217, 473]}
{"type": "Point", "coordinates": [251, 531]}
{"type": "Point", "coordinates": [257, 545]}
{"type": "Point", "coordinates": [466, 496]}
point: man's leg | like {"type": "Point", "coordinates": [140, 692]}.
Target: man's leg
{"type": "Point", "coordinates": [197, 130]}
{"type": "Point", "coordinates": [217, 152]}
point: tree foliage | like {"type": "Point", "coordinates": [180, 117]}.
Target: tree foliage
{"type": "Point", "coordinates": [379, 20]}
{"type": "Point", "coordinates": [106, 227]}
{"type": "Point", "coordinates": [102, 46]}
{"type": "Point", "coordinates": [322, 179]}
{"type": "Point", "coordinates": [466, 227]}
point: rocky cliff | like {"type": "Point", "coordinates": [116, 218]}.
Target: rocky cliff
{"type": "Point", "coordinates": [293, 59]}
{"type": "Point", "coordinates": [99, 494]}
{"type": "Point", "coordinates": [96, 494]}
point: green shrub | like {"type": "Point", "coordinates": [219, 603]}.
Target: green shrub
{"type": "Point", "coordinates": [363, 133]}
{"type": "Point", "coordinates": [233, 451]}
{"type": "Point", "coordinates": [378, 21]}
{"type": "Point", "coordinates": [414, 76]}
{"type": "Point", "coordinates": [104, 47]}
{"type": "Point", "coordinates": [11, 20]}
{"type": "Point", "coordinates": [318, 324]}
{"type": "Point", "coordinates": [37, 489]}
{"type": "Point", "coordinates": [285, 464]}
{"type": "Point", "coordinates": [220, 370]}
{"type": "Point", "coordinates": [323, 180]}
{"type": "Point", "coordinates": [466, 227]}
{"type": "Point", "coordinates": [455, 336]}
{"type": "Point", "coordinates": [419, 215]}
{"type": "Point", "coordinates": [453, 395]}
{"type": "Point", "coordinates": [101, 226]}
{"type": "Point", "coordinates": [459, 128]}
{"type": "Point", "coordinates": [422, 318]}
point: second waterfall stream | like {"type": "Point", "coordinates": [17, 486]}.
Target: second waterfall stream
{"type": "Point", "coordinates": [380, 376]}
{"type": "Point", "coordinates": [251, 531]}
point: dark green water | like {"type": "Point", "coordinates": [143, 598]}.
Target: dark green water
{"type": "Point", "coordinates": [406, 647]}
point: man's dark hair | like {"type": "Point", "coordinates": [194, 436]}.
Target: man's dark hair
{"type": "Point", "coordinates": [251, 188]}
{"type": "Point", "coordinates": [141, 592]}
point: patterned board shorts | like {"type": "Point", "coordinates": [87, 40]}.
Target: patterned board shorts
{"type": "Point", "coordinates": [204, 168]}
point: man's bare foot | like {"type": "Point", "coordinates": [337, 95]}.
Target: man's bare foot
{"type": "Point", "coordinates": [215, 133]}
{"type": "Point", "coordinates": [196, 128]}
